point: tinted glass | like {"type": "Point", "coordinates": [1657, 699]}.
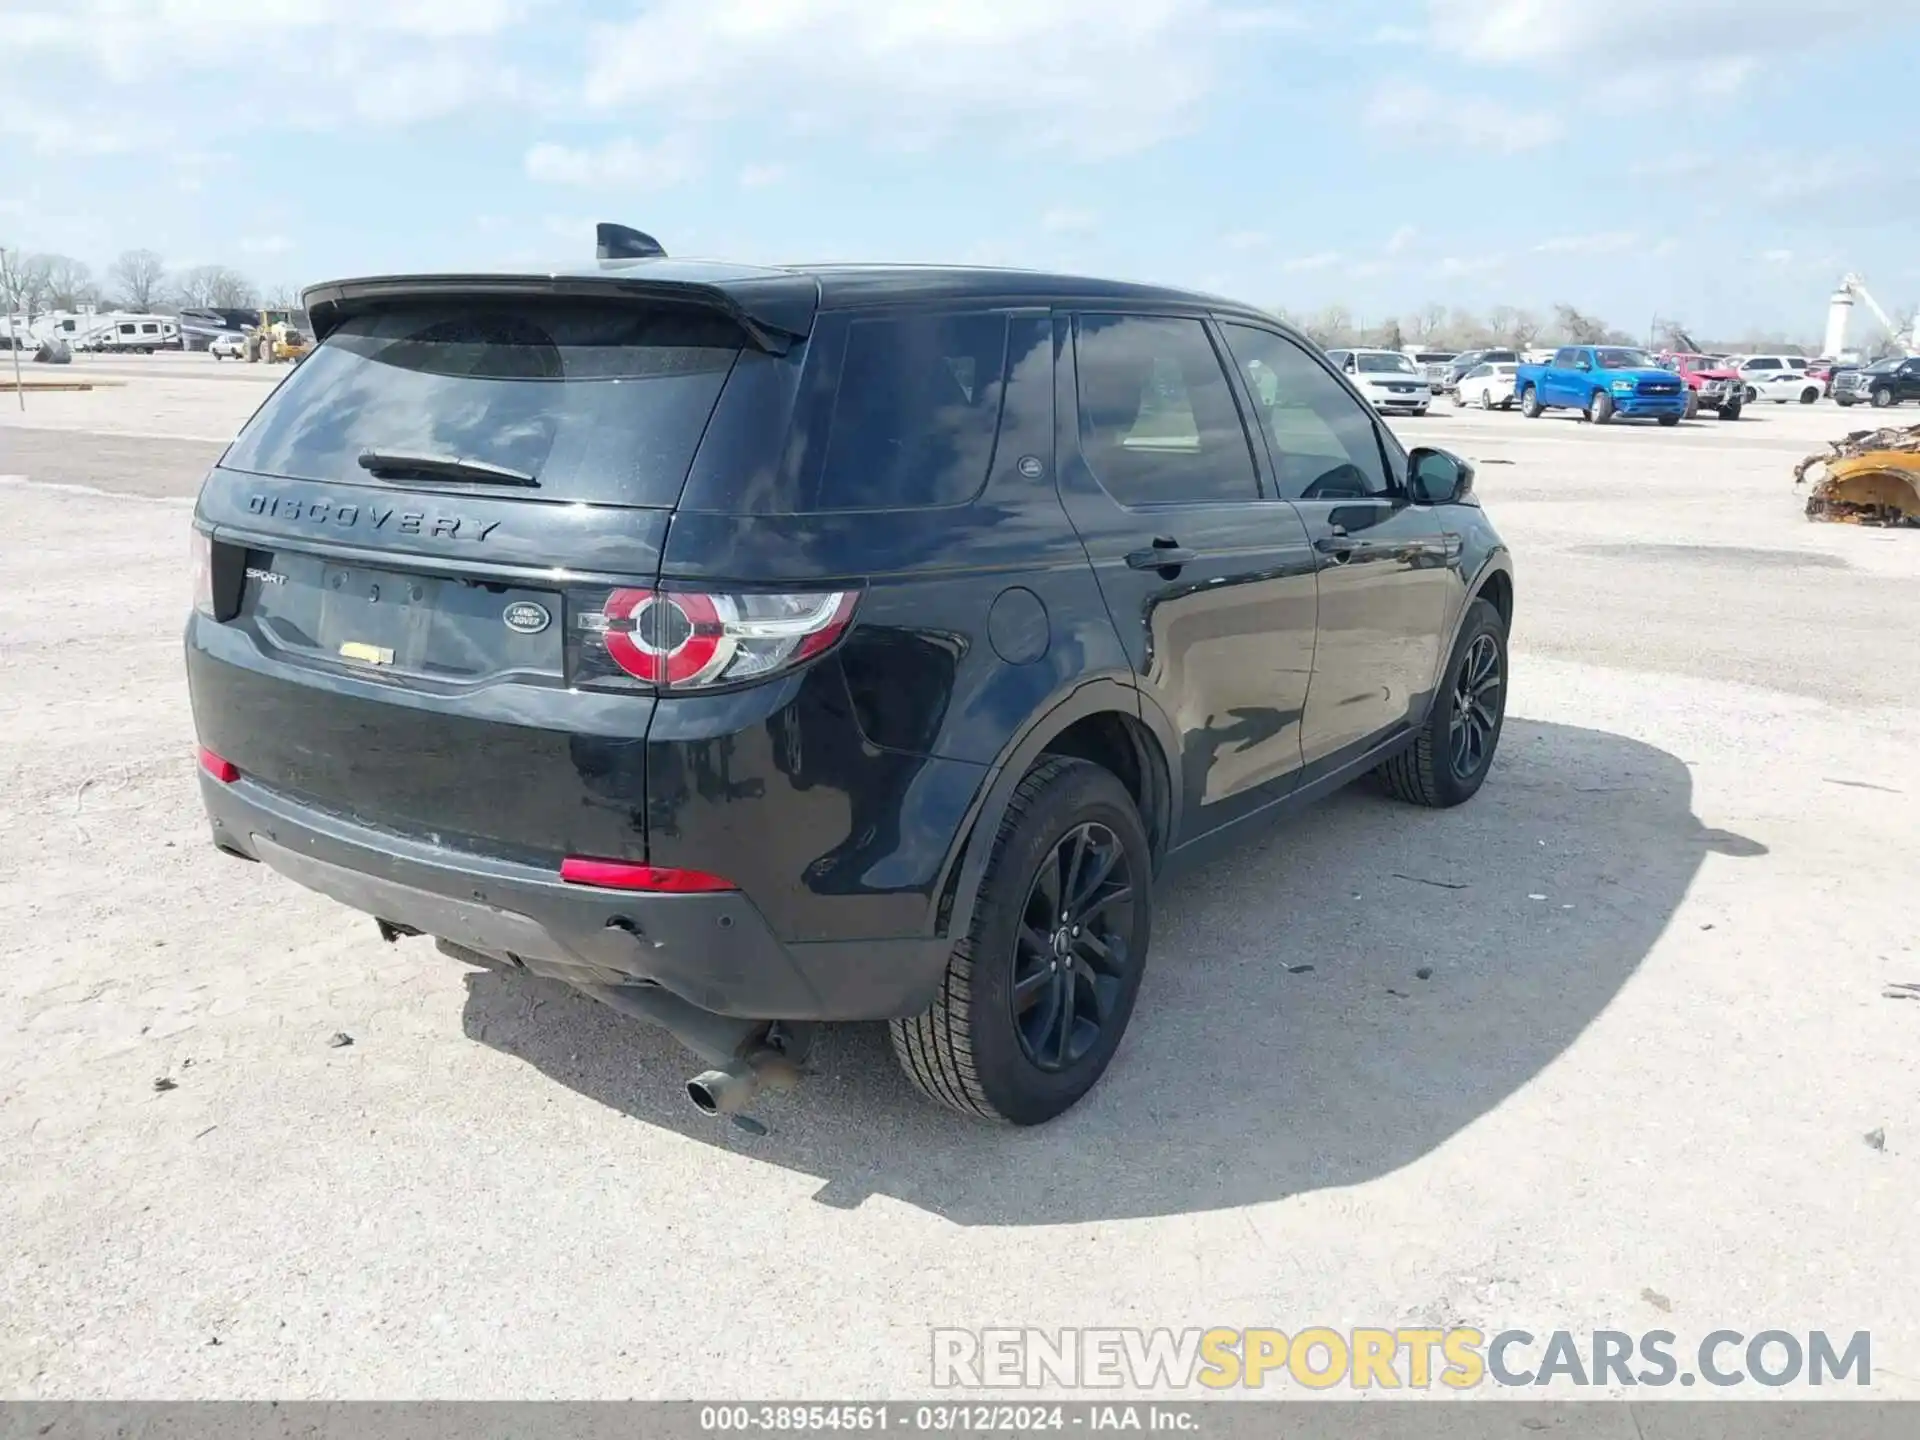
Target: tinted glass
{"type": "Point", "coordinates": [1157, 419]}
{"type": "Point", "coordinates": [1615, 359]}
{"type": "Point", "coordinates": [915, 412]}
{"type": "Point", "coordinates": [1321, 439]}
{"type": "Point", "coordinates": [600, 403]}
{"type": "Point", "coordinates": [1566, 359]}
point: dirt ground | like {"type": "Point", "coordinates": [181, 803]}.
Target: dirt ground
{"type": "Point", "coordinates": [1669, 1045]}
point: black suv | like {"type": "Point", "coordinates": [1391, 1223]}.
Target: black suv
{"type": "Point", "coordinates": [1883, 383]}
{"type": "Point", "coordinates": [752, 648]}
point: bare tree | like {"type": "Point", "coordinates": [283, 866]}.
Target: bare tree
{"type": "Point", "coordinates": [1576, 328]}
{"type": "Point", "coordinates": [214, 285]}
{"type": "Point", "coordinates": [26, 284]}
{"type": "Point", "coordinates": [1332, 326]}
{"type": "Point", "coordinates": [1427, 327]}
{"type": "Point", "coordinates": [137, 276]}
{"type": "Point", "coordinates": [69, 283]}
{"type": "Point", "coordinates": [1466, 332]}
{"type": "Point", "coordinates": [1522, 329]}
{"type": "Point", "coordinates": [286, 297]}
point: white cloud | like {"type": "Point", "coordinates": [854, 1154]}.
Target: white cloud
{"type": "Point", "coordinates": [1323, 260]}
{"type": "Point", "coordinates": [1649, 50]}
{"type": "Point", "coordinates": [1401, 240]}
{"type": "Point", "coordinates": [1777, 257]}
{"type": "Point", "coordinates": [265, 244]}
{"type": "Point", "coordinates": [1066, 220]}
{"type": "Point", "coordinates": [758, 177]}
{"type": "Point", "coordinates": [1479, 124]}
{"type": "Point", "coordinates": [1457, 266]}
{"type": "Point", "coordinates": [1092, 77]}
{"type": "Point", "coordinates": [625, 163]}
{"type": "Point", "coordinates": [294, 64]}
{"type": "Point", "coordinates": [1605, 242]}
{"type": "Point", "coordinates": [1244, 240]}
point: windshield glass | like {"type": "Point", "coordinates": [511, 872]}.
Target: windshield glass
{"type": "Point", "coordinates": [1611, 359]}
{"type": "Point", "coordinates": [1434, 357]}
{"type": "Point", "coordinates": [1892, 362]}
{"type": "Point", "coordinates": [605, 404]}
{"type": "Point", "coordinates": [1385, 364]}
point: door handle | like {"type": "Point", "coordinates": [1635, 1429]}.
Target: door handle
{"type": "Point", "coordinates": [1338, 545]}
{"type": "Point", "coordinates": [1165, 554]}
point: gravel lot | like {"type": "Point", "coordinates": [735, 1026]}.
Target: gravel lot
{"type": "Point", "coordinates": [1660, 1024]}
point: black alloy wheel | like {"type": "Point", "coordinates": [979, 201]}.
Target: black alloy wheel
{"type": "Point", "coordinates": [1476, 708]}
{"type": "Point", "coordinates": [1073, 948]}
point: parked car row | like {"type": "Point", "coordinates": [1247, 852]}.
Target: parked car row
{"type": "Point", "coordinates": [1498, 380]}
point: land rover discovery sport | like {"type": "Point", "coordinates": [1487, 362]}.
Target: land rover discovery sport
{"type": "Point", "coordinates": [759, 647]}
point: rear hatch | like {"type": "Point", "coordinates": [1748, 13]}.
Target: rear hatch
{"type": "Point", "coordinates": [405, 541]}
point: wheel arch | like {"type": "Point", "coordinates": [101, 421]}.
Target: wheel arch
{"type": "Point", "coordinates": [1109, 722]}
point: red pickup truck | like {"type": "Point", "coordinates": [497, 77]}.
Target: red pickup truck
{"type": "Point", "coordinates": [1710, 384]}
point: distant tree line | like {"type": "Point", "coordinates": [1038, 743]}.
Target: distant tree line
{"type": "Point", "coordinates": [139, 280]}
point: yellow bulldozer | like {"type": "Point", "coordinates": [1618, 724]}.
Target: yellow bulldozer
{"type": "Point", "coordinates": [1872, 477]}
{"type": "Point", "coordinates": [277, 339]}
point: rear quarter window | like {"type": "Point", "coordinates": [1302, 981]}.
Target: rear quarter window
{"type": "Point", "coordinates": [603, 403]}
{"type": "Point", "coordinates": [914, 411]}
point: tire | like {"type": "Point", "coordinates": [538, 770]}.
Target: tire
{"type": "Point", "coordinates": [1842, 403]}
{"type": "Point", "coordinates": [1530, 403]}
{"type": "Point", "coordinates": [1809, 395]}
{"type": "Point", "coordinates": [968, 1052]}
{"type": "Point", "coordinates": [1730, 412]}
{"type": "Point", "coordinates": [1600, 408]}
{"type": "Point", "coordinates": [1486, 400]}
{"type": "Point", "coordinates": [1420, 412]}
{"type": "Point", "coordinates": [1425, 773]}
{"type": "Point", "coordinates": [1882, 398]}
{"type": "Point", "coordinates": [1693, 403]}
{"type": "Point", "coordinates": [1750, 396]}
{"type": "Point", "coordinates": [1668, 421]}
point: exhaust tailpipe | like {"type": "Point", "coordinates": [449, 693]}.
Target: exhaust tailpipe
{"type": "Point", "coordinates": [724, 1091]}
{"type": "Point", "coordinates": [729, 1088]}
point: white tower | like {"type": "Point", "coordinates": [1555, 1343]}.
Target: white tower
{"type": "Point", "coordinates": [1839, 312]}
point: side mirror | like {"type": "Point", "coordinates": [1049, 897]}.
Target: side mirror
{"type": "Point", "coordinates": [1436, 477]}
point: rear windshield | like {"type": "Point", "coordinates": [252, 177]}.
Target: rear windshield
{"type": "Point", "coordinates": [600, 403]}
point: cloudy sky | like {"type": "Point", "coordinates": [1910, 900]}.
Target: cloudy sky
{"type": "Point", "coordinates": [1722, 161]}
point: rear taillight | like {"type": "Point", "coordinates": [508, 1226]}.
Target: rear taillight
{"type": "Point", "coordinates": [697, 640]}
{"type": "Point", "coordinates": [223, 770]}
{"type": "Point", "coordinates": [201, 554]}
{"type": "Point", "coordinates": [624, 875]}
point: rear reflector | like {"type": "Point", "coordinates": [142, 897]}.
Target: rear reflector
{"type": "Point", "coordinates": [621, 875]}
{"type": "Point", "coordinates": [225, 771]}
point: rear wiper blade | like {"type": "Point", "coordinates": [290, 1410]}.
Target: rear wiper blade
{"type": "Point", "coordinates": [441, 467]}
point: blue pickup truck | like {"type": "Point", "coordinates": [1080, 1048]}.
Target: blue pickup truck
{"type": "Point", "coordinates": [1602, 381]}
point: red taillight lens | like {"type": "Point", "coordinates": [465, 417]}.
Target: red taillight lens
{"type": "Point", "coordinates": [201, 553]}
{"type": "Point", "coordinates": [225, 771]}
{"type": "Point", "coordinates": [623, 875]}
{"type": "Point", "coordinates": [692, 640]}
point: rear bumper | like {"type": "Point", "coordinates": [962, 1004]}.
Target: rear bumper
{"type": "Point", "coordinates": [716, 952]}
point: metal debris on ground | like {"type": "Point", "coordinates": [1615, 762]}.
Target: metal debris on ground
{"type": "Point", "coordinates": [1876, 1139]}
{"type": "Point", "coordinates": [339, 1040]}
{"type": "Point", "coordinates": [163, 1083]}
{"type": "Point", "coordinates": [1870, 478]}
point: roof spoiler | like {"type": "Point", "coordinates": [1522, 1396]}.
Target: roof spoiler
{"type": "Point", "coordinates": [775, 313]}
{"type": "Point", "coordinates": [621, 242]}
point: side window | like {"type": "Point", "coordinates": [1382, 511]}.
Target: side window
{"type": "Point", "coordinates": [1564, 359]}
{"type": "Point", "coordinates": [126, 329]}
{"type": "Point", "coordinates": [915, 412]}
{"type": "Point", "coordinates": [1322, 439]}
{"type": "Point", "coordinates": [1157, 419]}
